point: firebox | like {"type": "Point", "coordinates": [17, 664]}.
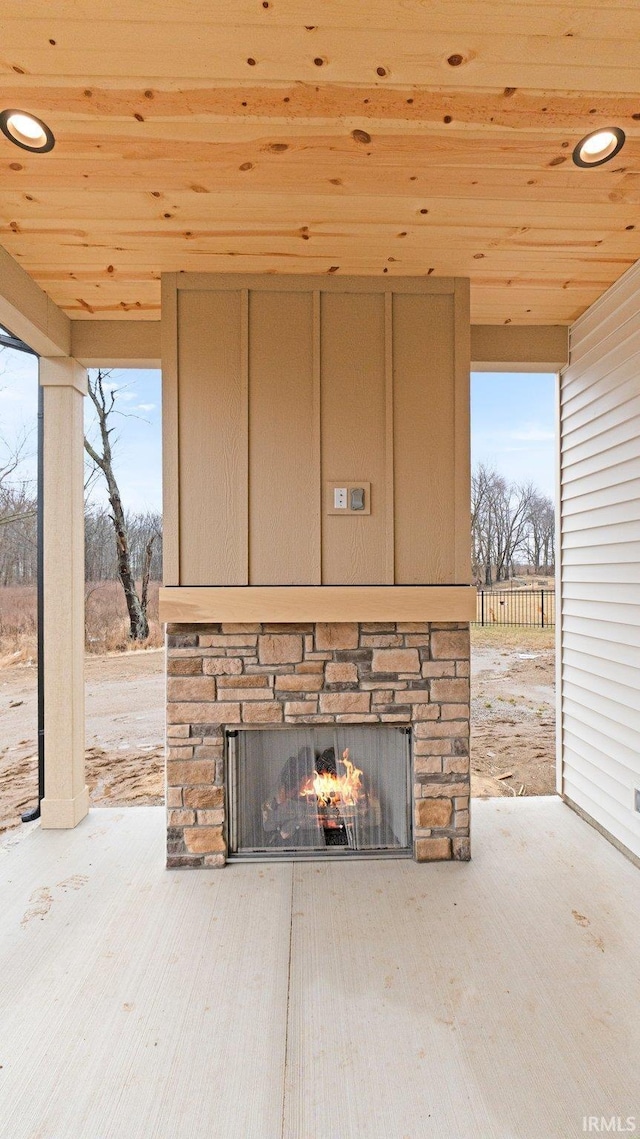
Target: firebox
{"type": "Point", "coordinates": [319, 791]}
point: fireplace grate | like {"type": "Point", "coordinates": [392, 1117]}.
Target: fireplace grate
{"type": "Point", "coordinates": [321, 791]}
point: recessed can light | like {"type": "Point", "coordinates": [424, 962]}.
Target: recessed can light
{"type": "Point", "coordinates": [27, 131]}
{"type": "Point", "coordinates": [598, 147]}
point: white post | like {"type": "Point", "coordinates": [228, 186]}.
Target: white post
{"type": "Point", "coordinates": [66, 798]}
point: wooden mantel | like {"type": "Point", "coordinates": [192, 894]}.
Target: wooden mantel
{"type": "Point", "coordinates": [203, 604]}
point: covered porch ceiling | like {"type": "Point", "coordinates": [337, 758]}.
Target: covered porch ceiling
{"type": "Point", "coordinates": [286, 136]}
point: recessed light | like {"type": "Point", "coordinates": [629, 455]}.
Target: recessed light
{"type": "Point", "coordinates": [26, 131]}
{"type": "Point", "coordinates": [599, 146]}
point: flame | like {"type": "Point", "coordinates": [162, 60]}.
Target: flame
{"type": "Point", "coordinates": [336, 790]}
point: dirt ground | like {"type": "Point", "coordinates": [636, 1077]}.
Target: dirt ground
{"type": "Point", "coordinates": [512, 711]}
{"type": "Point", "coordinates": [125, 725]}
{"type": "Point", "coordinates": [513, 723]}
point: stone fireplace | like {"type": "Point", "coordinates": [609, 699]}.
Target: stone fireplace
{"type": "Point", "coordinates": [316, 554]}
{"type": "Point", "coordinates": [223, 678]}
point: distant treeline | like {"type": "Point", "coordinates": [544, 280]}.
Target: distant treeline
{"type": "Point", "coordinates": [512, 525]}
{"type": "Point", "coordinates": [18, 545]}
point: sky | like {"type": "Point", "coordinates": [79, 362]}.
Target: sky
{"type": "Point", "coordinates": [136, 441]}
{"type": "Point", "coordinates": [512, 426]}
{"type": "Point", "coordinates": [18, 408]}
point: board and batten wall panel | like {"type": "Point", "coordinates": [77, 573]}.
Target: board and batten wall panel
{"type": "Point", "coordinates": [353, 434]}
{"type": "Point", "coordinates": [284, 462]}
{"type": "Point", "coordinates": [212, 432]}
{"type": "Point", "coordinates": [600, 563]}
{"type": "Point", "coordinates": [424, 438]}
{"type": "Point", "coordinates": [277, 386]}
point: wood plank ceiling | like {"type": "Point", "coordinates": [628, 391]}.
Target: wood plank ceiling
{"type": "Point", "coordinates": [335, 136]}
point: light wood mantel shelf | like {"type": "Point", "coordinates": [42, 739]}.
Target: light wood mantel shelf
{"type": "Point", "coordinates": [200, 604]}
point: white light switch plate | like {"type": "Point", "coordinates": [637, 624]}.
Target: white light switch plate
{"type": "Point", "coordinates": [339, 492]}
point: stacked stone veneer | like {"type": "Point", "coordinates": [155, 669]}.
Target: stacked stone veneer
{"type": "Point", "coordinates": [219, 676]}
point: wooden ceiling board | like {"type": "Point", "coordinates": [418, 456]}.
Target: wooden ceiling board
{"type": "Point", "coordinates": [533, 17]}
{"type": "Point", "coordinates": [162, 178]}
{"type": "Point", "coordinates": [555, 247]}
{"type": "Point", "coordinates": [227, 208]}
{"type": "Point", "coordinates": [291, 136]}
{"type": "Point", "coordinates": [93, 49]}
{"type": "Point", "coordinates": [190, 101]}
{"type": "Point", "coordinates": [399, 144]}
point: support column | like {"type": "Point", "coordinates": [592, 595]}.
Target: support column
{"type": "Point", "coordinates": [66, 797]}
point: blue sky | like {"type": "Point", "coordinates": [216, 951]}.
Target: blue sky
{"type": "Point", "coordinates": [512, 418]}
{"type": "Point", "coordinates": [513, 426]}
{"type": "Point", "coordinates": [136, 441]}
{"type": "Point", "coordinates": [18, 408]}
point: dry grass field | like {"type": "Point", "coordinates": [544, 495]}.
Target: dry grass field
{"type": "Point", "coordinates": [106, 624]}
{"type": "Point", "coordinates": [518, 602]}
{"type": "Point", "coordinates": [527, 581]}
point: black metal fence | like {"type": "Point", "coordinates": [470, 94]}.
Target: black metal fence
{"type": "Point", "coordinates": [532, 607]}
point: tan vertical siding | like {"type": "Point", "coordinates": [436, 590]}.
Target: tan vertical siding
{"type": "Point", "coordinates": [600, 562]}
{"type": "Point", "coordinates": [170, 431]}
{"type": "Point", "coordinates": [277, 386]}
{"type": "Point", "coordinates": [424, 438]}
{"type": "Point", "coordinates": [283, 459]}
{"type": "Point", "coordinates": [212, 415]}
{"type": "Point", "coordinates": [353, 433]}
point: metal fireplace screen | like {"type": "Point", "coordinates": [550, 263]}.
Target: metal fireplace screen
{"type": "Point", "coordinates": [340, 790]}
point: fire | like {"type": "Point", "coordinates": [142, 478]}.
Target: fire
{"type": "Point", "coordinates": [336, 790]}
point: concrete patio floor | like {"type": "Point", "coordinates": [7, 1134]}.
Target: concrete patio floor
{"type": "Point", "coordinates": [370, 1000]}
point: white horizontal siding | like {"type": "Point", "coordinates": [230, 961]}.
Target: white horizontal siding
{"type": "Point", "coordinates": [627, 594]}
{"type": "Point", "coordinates": [600, 320]}
{"type": "Point", "coordinates": [591, 765]}
{"type": "Point", "coordinates": [587, 645]}
{"type": "Point", "coordinates": [612, 496]}
{"type": "Point", "coordinates": [609, 466]}
{"type": "Point", "coordinates": [579, 788]}
{"type": "Point", "coordinates": [601, 573]}
{"type": "Point", "coordinates": [602, 372]}
{"type": "Point", "coordinates": [614, 666]}
{"type": "Point", "coordinates": [599, 647]}
{"type": "Point", "coordinates": [602, 729]}
{"type": "Point", "coordinates": [610, 431]}
{"type": "Point", "coordinates": [581, 626]}
{"type": "Point", "coordinates": [581, 419]}
{"type": "Point", "coordinates": [601, 553]}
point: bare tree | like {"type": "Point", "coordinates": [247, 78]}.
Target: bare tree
{"type": "Point", "coordinates": [19, 509]}
{"type": "Point", "coordinates": [18, 541]}
{"type": "Point", "coordinates": [541, 546]}
{"type": "Point", "coordinates": [100, 548]}
{"type": "Point", "coordinates": [541, 533]}
{"type": "Point", "coordinates": [18, 512]}
{"type": "Point", "coordinates": [104, 401]}
{"type": "Point", "coordinates": [513, 516]}
{"type": "Point", "coordinates": [488, 489]}
{"type": "Point", "coordinates": [508, 521]}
